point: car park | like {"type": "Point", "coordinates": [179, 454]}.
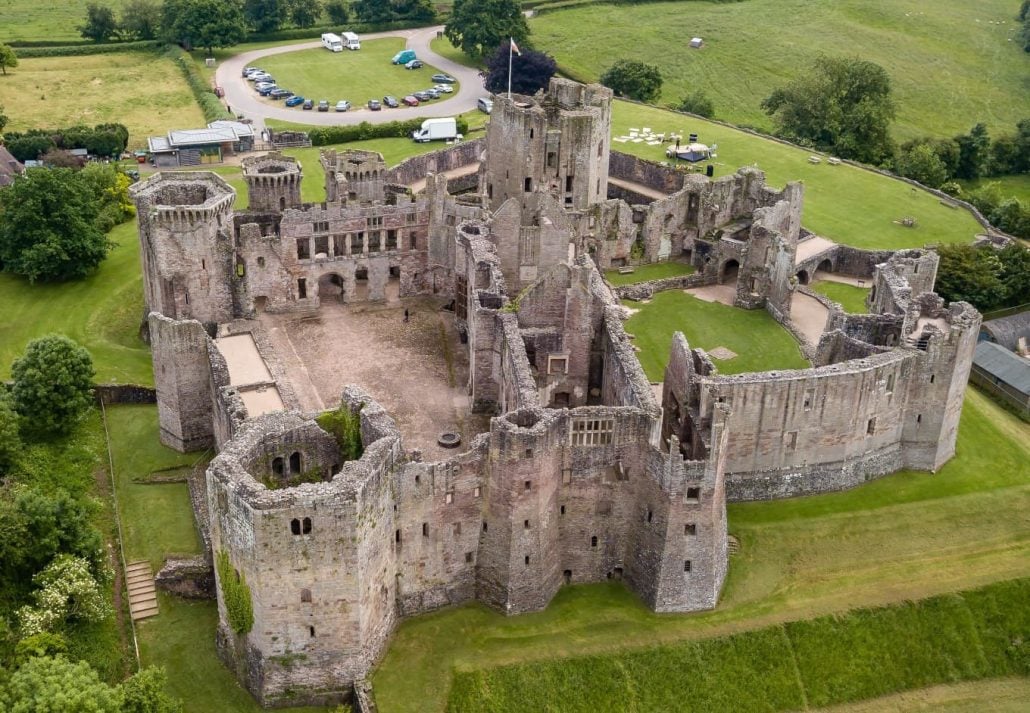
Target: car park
{"type": "Point", "coordinates": [294, 100]}
{"type": "Point", "coordinates": [414, 64]}
{"type": "Point", "coordinates": [280, 93]}
{"type": "Point", "coordinates": [374, 105]}
{"type": "Point", "coordinates": [444, 78]}
{"type": "Point", "coordinates": [410, 100]}
{"type": "Point", "coordinates": [391, 101]}
{"type": "Point", "coordinates": [444, 88]}
{"type": "Point", "coordinates": [323, 105]}
{"type": "Point", "coordinates": [309, 104]}
{"type": "Point", "coordinates": [343, 105]}
{"type": "Point", "coordinates": [485, 104]}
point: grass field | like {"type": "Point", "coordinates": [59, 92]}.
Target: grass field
{"type": "Point", "coordinates": [142, 90]}
{"type": "Point", "coordinates": [951, 64]}
{"type": "Point", "coordinates": [908, 536]}
{"type": "Point", "coordinates": [851, 298]}
{"type": "Point", "coordinates": [53, 20]}
{"type": "Point", "coordinates": [845, 204]}
{"type": "Point", "coordinates": [643, 273]}
{"type": "Point", "coordinates": [1016, 186]}
{"type": "Point", "coordinates": [759, 341]}
{"type": "Point", "coordinates": [355, 76]}
{"type": "Point", "coordinates": [1001, 695]}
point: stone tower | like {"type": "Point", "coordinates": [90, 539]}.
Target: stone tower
{"type": "Point", "coordinates": [273, 182]}
{"type": "Point", "coordinates": [354, 175]}
{"type": "Point", "coordinates": [557, 142]}
{"type": "Point", "coordinates": [186, 243]}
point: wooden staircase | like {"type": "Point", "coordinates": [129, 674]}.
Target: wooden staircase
{"type": "Point", "coordinates": [139, 580]}
{"type": "Point", "coordinates": [732, 545]}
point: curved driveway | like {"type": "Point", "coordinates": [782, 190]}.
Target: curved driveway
{"type": "Point", "coordinates": [240, 95]}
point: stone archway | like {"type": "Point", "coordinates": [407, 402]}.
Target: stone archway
{"type": "Point", "coordinates": [330, 287]}
{"type": "Point", "coordinates": [825, 266]}
{"type": "Point", "coordinates": [802, 277]}
{"type": "Point", "coordinates": [729, 272]}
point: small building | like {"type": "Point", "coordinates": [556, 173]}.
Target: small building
{"type": "Point", "coordinates": [1007, 331]}
{"type": "Point", "coordinates": [696, 42]}
{"type": "Point", "coordinates": [1003, 374]}
{"type": "Point", "coordinates": [192, 147]}
{"type": "Point", "coordinates": [9, 167]}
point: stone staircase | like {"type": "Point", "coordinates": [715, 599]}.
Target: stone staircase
{"type": "Point", "coordinates": [139, 580]}
{"type": "Point", "coordinates": [732, 545]}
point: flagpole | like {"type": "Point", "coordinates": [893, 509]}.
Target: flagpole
{"type": "Point", "coordinates": [511, 50]}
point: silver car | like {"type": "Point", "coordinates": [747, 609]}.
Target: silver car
{"type": "Point", "coordinates": [343, 105]}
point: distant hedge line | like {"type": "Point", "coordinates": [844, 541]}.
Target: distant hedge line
{"type": "Point", "coordinates": [326, 135]}
{"type": "Point", "coordinates": [314, 33]}
{"type": "Point", "coordinates": [210, 104]}
{"type": "Point", "coordinates": [983, 633]}
{"type": "Point", "coordinates": [80, 50]}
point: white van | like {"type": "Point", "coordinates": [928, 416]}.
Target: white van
{"type": "Point", "coordinates": [332, 42]}
{"type": "Point", "coordinates": [351, 41]}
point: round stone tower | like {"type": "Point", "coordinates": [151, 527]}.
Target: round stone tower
{"type": "Point", "coordinates": [273, 182]}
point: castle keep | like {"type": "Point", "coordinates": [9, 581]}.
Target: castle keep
{"type": "Point", "coordinates": [571, 467]}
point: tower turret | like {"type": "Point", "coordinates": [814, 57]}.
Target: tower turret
{"type": "Point", "coordinates": [273, 182]}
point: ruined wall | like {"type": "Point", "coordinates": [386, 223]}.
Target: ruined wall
{"type": "Point", "coordinates": [273, 182]}
{"type": "Point", "coordinates": [182, 378]}
{"type": "Point", "coordinates": [417, 168]}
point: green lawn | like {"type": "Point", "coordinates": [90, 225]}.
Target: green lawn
{"type": "Point", "coordinates": [850, 297]}
{"type": "Point", "coordinates": [443, 47]}
{"type": "Point", "coordinates": [355, 76]}
{"type": "Point", "coordinates": [1017, 186]}
{"type": "Point", "coordinates": [1000, 695]}
{"type": "Point", "coordinates": [951, 64]}
{"type": "Point", "coordinates": [908, 536]}
{"type": "Point", "coordinates": [643, 273]}
{"type": "Point", "coordinates": [760, 342]}
{"type": "Point", "coordinates": [845, 204]}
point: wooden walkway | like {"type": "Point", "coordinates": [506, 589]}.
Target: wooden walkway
{"type": "Point", "coordinates": [139, 579]}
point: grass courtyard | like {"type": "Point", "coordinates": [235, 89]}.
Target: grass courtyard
{"type": "Point", "coordinates": [760, 342]}
{"type": "Point", "coordinates": [850, 297]}
{"type": "Point", "coordinates": [951, 64]}
{"type": "Point", "coordinates": [355, 76]}
{"type": "Point", "coordinates": [142, 90]}
{"type": "Point", "coordinates": [643, 273]}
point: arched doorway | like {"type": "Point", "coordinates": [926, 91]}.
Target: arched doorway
{"type": "Point", "coordinates": [729, 272]}
{"type": "Point", "coordinates": [330, 287]}
{"type": "Point", "coordinates": [825, 266]}
{"type": "Point", "coordinates": [802, 277]}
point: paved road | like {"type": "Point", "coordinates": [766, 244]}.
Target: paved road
{"type": "Point", "coordinates": [240, 95]}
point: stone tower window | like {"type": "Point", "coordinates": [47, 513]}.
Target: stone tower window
{"type": "Point", "coordinates": [527, 185]}
{"type": "Point", "coordinates": [686, 565]}
{"type": "Point", "coordinates": [525, 524]}
{"type": "Point", "coordinates": [693, 495]}
{"type": "Point", "coordinates": [690, 529]}
{"type": "Point", "coordinates": [457, 529]}
{"type": "Point", "coordinates": [593, 541]}
{"type": "Point", "coordinates": [305, 596]}
{"type": "Point", "coordinates": [425, 529]}
{"type": "Point", "coordinates": [468, 557]}
{"type": "Point", "coordinates": [306, 526]}
{"type": "Point", "coordinates": [528, 485]}
{"type": "Point", "coordinates": [311, 630]}
{"type": "Point", "coordinates": [919, 419]}
{"type": "Point", "coordinates": [261, 262]}
{"type": "Point", "coordinates": [295, 526]}
{"type": "Point", "coordinates": [890, 383]}
{"type": "Point", "coordinates": [561, 510]}
{"type": "Point", "coordinates": [294, 463]}
{"type": "Point", "coordinates": [870, 427]}
{"type": "Point", "coordinates": [397, 536]}
{"type": "Point", "coordinates": [277, 466]}
{"type": "Point", "coordinates": [932, 378]}
{"type": "Point", "coordinates": [485, 527]}
{"type": "Point", "coordinates": [302, 289]}
{"type": "Point", "coordinates": [527, 559]}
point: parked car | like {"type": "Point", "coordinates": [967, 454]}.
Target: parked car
{"type": "Point", "coordinates": [323, 105]}
{"type": "Point", "coordinates": [374, 105]}
{"type": "Point", "coordinates": [432, 92]}
{"type": "Point", "coordinates": [280, 93]}
{"type": "Point", "coordinates": [414, 64]}
{"type": "Point", "coordinates": [265, 91]}
{"type": "Point", "coordinates": [262, 85]}
{"type": "Point", "coordinates": [309, 104]}
{"type": "Point", "coordinates": [403, 57]}
{"type": "Point", "coordinates": [485, 104]}
{"type": "Point", "coordinates": [444, 88]}
{"type": "Point", "coordinates": [260, 77]}
{"type": "Point", "coordinates": [343, 105]}
{"type": "Point", "coordinates": [444, 78]}
{"type": "Point", "coordinates": [422, 96]}
{"type": "Point", "coordinates": [391, 101]}
{"type": "Point", "coordinates": [248, 70]}
{"type": "Point", "coordinates": [410, 100]}
{"type": "Point", "coordinates": [295, 100]}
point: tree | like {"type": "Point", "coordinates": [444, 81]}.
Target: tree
{"type": "Point", "coordinates": [477, 26]}
{"type": "Point", "coordinates": [266, 15]}
{"type": "Point", "coordinates": [414, 10]}
{"type": "Point", "coordinates": [10, 440]}
{"type": "Point", "coordinates": [305, 13]}
{"type": "Point", "coordinates": [67, 591]}
{"type": "Point", "coordinates": [204, 23]}
{"type": "Point", "coordinates": [145, 693]}
{"type": "Point", "coordinates": [60, 158]}
{"type": "Point", "coordinates": [530, 72]}
{"type": "Point", "coordinates": [697, 102]}
{"type": "Point", "coordinates": [973, 152]}
{"type": "Point", "coordinates": [338, 11]}
{"type": "Point", "coordinates": [842, 105]}
{"type": "Point", "coordinates": [1015, 273]}
{"type": "Point", "coordinates": [100, 25]}
{"type": "Point", "coordinates": [921, 163]}
{"type": "Point", "coordinates": [3, 118]}
{"type": "Point", "coordinates": [7, 59]}
{"type": "Point", "coordinates": [53, 384]}
{"type": "Point", "coordinates": [970, 274]}
{"type": "Point", "coordinates": [110, 188]}
{"type": "Point", "coordinates": [48, 226]}
{"type": "Point", "coordinates": [373, 11]}
{"type": "Point", "coordinates": [636, 80]}
{"type": "Point", "coordinates": [141, 19]}
{"type": "Point", "coordinates": [45, 683]}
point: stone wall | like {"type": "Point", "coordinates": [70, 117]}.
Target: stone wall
{"type": "Point", "coordinates": [417, 168]}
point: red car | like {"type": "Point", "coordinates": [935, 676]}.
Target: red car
{"type": "Point", "coordinates": [410, 100]}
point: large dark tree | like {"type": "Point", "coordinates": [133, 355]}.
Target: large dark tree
{"type": "Point", "coordinates": [266, 15]}
{"type": "Point", "coordinates": [635, 80]}
{"type": "Point", "coordinates": [48, 226]}
{"type": "Point", "coordinates": [338, 11]}
{"type": "Point", "coordinates": [141, 19]}
{"type": "Point", "coordinates": [478, 26]}
{"type": "Point", "coordinates": [204, 23]}
{"type": "Point", "coordinates": [842, 105]}
{"type": "Point", "coordinates": [305, 13]}
{"type": "Point", "coordinates": [974, 150]}
{"type": "Point", "coordinates": [100, 25]}
{"type": "Point", "coordinates": [52, 384]}
{"type": "Point", "coordinates": [530, 72]}
{"type": "Point", "coordinates": [373, 11]}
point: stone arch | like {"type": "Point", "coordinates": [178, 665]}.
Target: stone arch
{"type": "Point", "coordinates": [278, 465]}
{"type": "Point", "coordinates": [330, 286]}
{"type": "Point", "coordinates": [295, 463]}
{"type": "Point", "coordinates": [825, 266]}
{"type": "Point", "coordinates": [729, 271]}
{"type": "Point", "coordinates": [802, 276]}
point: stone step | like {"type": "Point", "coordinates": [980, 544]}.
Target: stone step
{"type": "Point", "coordinates": [143, 602]}
{"type": "Point", "coordinates": [138, 564]}
{"type": "Point", "coordinates": [144, 613]}
{"type": "Point", "coordinates": [137, 578]}
{"type": "Point", "coordinates": [147, 586]}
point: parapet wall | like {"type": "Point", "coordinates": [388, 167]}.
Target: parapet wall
{"type": "Point", "coordinates": [415, 169]}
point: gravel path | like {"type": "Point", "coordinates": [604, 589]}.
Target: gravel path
{"type": "Point", "coordinates": [244, 100]}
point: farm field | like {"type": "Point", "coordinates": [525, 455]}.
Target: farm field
{"type": "Point", "coordinates": [908, 536]}
{"type": "Point", "coordinates": [142, 90]}
{"type": "Point", "coordinates": [52, 20]}
{"type": "Point", "coordinates": [952, 64]}
{"type": "Point", "coordinates": [355, 76]}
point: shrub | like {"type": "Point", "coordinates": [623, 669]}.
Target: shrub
{"type": "Point", "coordinates": [52, 384]}
{"type": "Point", "coordinates": [346, 428]}
{"type": "Point", "coordinates": [697, 102]}
{"type": "Point", "coordinates": [79, 50]}
{"type": "Point", "coordinates": [327, 135]}
{"type": "Point", "coordinates": [67, 592]}
{"type": "Point", "coordinates": [635, 80]}
{"type": "Point", "coordinates": [235, 595]}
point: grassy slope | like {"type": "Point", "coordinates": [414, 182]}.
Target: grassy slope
{"type": "Point", "coordinates": [760, 343]}
{"type": "Point", "coordinates": [643, 273]}
{"type": "Point", "coordinates": [845, 204]}
{"type": "Point", "coordinates": [1003, 695]}
{"type": "Point", "coordinates": [851, 298]}
{"type": "Point", "coordinates": [1017, 186]}
{"type": "Point", "coordinates": [142, 90]}
{"type": "Point", "coordinates": [45, 19]}
{"type": "Point", "coordinates": [101, 312]}
{"type": "Point", "coordinates": [950, 65]}
{"type": "Point", "coordinates": [907, 536]}
{"type": "Point", "coordinates": [356, 76]}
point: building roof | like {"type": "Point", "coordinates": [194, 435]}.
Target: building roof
{"type": "Point", "coordinates": [1004, 365]}
{"type": "Point", "coordinates": [9, 167]}
{"type": "Point", "coordinates": [242, 130]}
{"type": "Point", "coordinates": [217, 132]}
{"type": "Point", "coordinates": [1006, 331]}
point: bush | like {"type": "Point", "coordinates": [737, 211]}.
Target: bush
{"type": "Point", "coordinates": [107, 140]}
{"type": "Point", "coordinates": [635, 80]}
{"type": "Point", "coordinates": [67, 591]}
{"type": "Point", "coordinates": [86, 49]}
{"type": "Point", "coordinates": [210, 104]}
{"type": "Point", "coordinates": [327, 135]}
{"type": "Point", "coordinates": [53, 384]}
{"type": "Point", "coordinates": [346, 428]}
{"type": "Point", "coordinates": [698, 103]}
{"type": "Point", "coordinates": [235, 595]}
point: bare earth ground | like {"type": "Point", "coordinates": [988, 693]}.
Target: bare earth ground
{"type": "Point", "coordinates": [842, 278]}
{"type": "Point", "coordinates": [809, 316]}
{"type": "Point", "coordinates": [810, 247]}
{"type": "Point", "coordinates": [725, 293]}
{"type": "Point", "coordinates": [416, 370]}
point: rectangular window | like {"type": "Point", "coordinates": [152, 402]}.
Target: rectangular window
{"type": "Point", "coordinates": [303, 249]}
{"type": "Point", "coordinates": [425, 529]}
{"type": "Point", "coordinates": [411, 218]}
{"type": "Point", "coordinates": [690, 529]}
{"type": "Point", "coordinates": [528, 485]}
{"type": "Point", "coordinates": [792, 440]}
{"type": "Point", "coordinates": [809, 399]}
{"type": "Point", "coordinates": [448, 498]}
{"type": "Point", "coordinates": [591, 431]}
{"type": "Point", "coordinates": [527, 185]}
{"type": "Point", "coordinates": [890, 384]}
{"type": "Point", "coordinates": [693, 495]}
{"type": "Point", "coordinates": [552, 159]}
{"type": "Point", "coordinates": [391, 239]}
{"type": "Point", "coordinates": [321, 227]}
{"type": "Point", "coordinates": [525, 524]}
{"type": "Point", "coordinates": [302, 289]}
{"type": "Point", "coordinates": [870, 427]}
{"type": "Point", "coordinates": [413, 237]}
{"type": "Point", "coordinates": [527, 560]}
{"type": "Point", "coordinates": [558, 364]}
{"type": "Point", "coordinates": [375, 221]}
{"type": "Point", "coordinates": [686, 565]}
{"type": "Point", "coordinates": [457, 529]}
{"type": "Point", "coordinates": [468, 557]}
{"type": "Point", "coordinates": [475, 493]}
{"type": "Point", "coordinates": [373, 241]}
{"type": "Point", "coordinates": [568, 184]}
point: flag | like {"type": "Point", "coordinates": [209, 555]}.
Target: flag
{"type": "Point", "coordinates": [515, 47]}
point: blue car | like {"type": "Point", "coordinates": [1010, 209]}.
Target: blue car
{"type": "Point", "coordinates": [295, 100]}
